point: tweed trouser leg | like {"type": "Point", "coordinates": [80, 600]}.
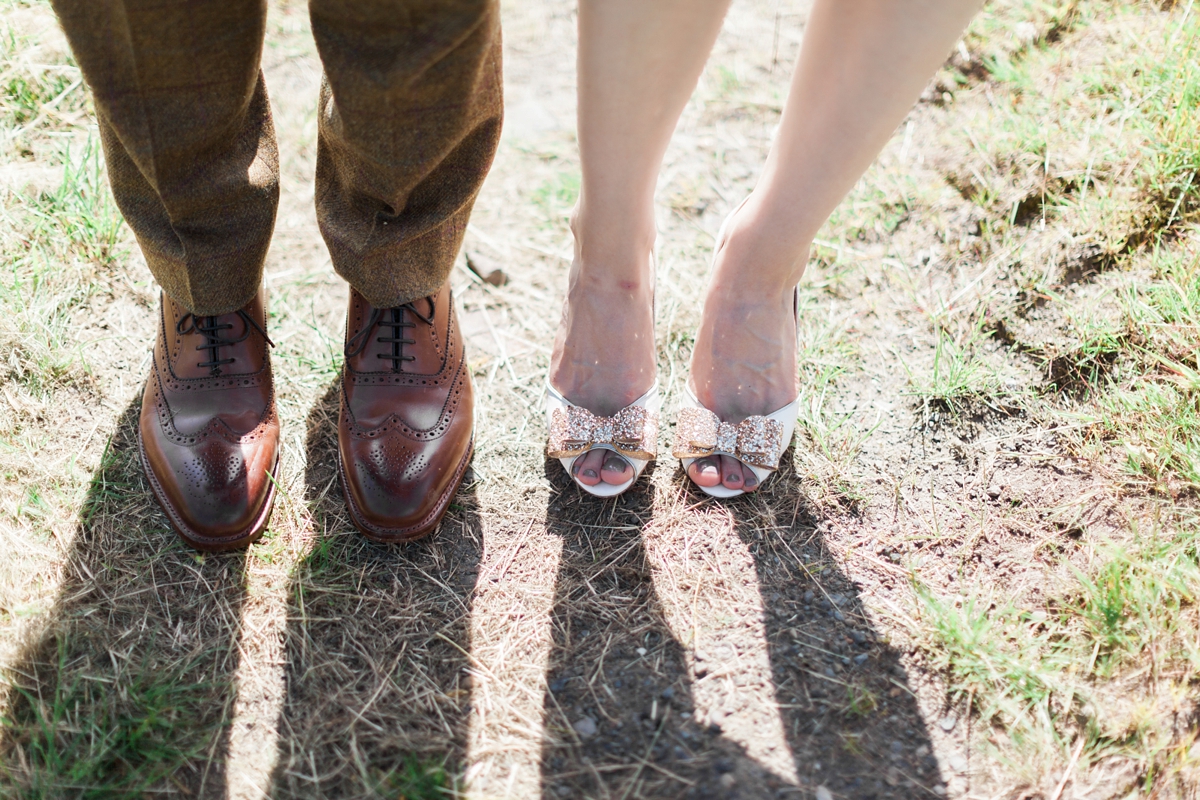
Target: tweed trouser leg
{"type": "Point", "coordinates": [410, 118]}
{"type": "Point", "coordinates": [187, 135]}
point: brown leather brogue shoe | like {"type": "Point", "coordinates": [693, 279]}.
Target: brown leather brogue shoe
{"type": "Point", "coordinates": [404, 433]}
{"type": "Point", "coordinates": [208, 433]}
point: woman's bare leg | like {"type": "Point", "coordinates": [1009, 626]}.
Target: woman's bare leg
{"type": "Point", "coordinates": [862, 65]}
{"type": "Point", "coordinates": [638, 64]}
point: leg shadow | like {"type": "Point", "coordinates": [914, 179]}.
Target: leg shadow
{"type": "Point", "coordinates": [619, 710]}
{"type": "Point", "coordinates": [850, 718]}
{"type": "Point", "coordinates": [128, 689]}
{"type": "Point", "coordinates": [376, 700]}
{"type": "Point", "coordinates": [622, 711]}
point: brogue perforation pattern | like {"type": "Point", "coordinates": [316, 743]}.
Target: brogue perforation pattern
{"type": "Point", "coordinates": [382, 463]}
{"type": "Point", "coordinates": [208, 471]}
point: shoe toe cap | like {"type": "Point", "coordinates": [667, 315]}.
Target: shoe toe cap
{"type": "Point", "coordinates": [215, 489]}
{"type": "Point", "coordinates": [398, 485]}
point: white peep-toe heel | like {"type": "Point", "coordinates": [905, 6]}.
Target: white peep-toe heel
{"type": "Point", "coordinates": [757, 442]}
{"type": "Point", "coordinates": [631, 433]}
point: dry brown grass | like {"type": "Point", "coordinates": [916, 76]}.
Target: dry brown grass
{"type": "Point", "coordinates": [547, 644]}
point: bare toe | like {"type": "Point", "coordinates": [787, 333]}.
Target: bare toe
{"type": "Point", "coordinates": [704, 472]}
{"type": "Point", "coordinates": [731, 473]}
{"type": "Point", "coordinates": [616, 470]}
{"type": "Point", "coordinates": [587, 467]}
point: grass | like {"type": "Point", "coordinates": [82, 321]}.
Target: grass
{"type": "Point", "coordinates": [59, 238]}
{"type": "Point", "coordinates": [1138, 596]}
{"type": "Point", "coordinates": [70, 237]}
{"type": "Point", "coordinates": [1046, 676]}
{"type": "Point", "coordinates": [1100, 156]}
{"type": "Point", "coordinates": [1150, 407]}
{"type": "Point", "coordinates": [1155, 424]}
{"type": "Point", "coordinates": [34, 91]}
{"type": "Point", "coordinates": [81, 739]}
{"type": "Point", "coordinates": [860, 701]}
{"type": "Point", "coordinates": [557, 195]}
{"type": "Point", "coordinates": [998, 656]}
{"type": "Point", "coordinates": [90, 712]}
{"type": "Point", "coordinates": [957, 379]}
{"type": "Point", "coordinates": [1108, 141]}
{"type": "Point", "coordinates": [416, 779]}
{"type": "Point", "coordinates": [828, 351]}
{"type": "Point", "coordinates": [996, 472]}
{"type": "Point", "coordinates": [1081, 162]}
{"type": "Point", "coordinates": [25, 96]}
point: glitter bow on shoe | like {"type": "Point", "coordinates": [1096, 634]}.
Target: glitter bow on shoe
{"type": "Point", "coordinates": [757, 441]}
{"type": "Point", "coordinates": [632, 432]}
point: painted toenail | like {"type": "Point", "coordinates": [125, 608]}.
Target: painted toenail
{"type": "Point", "coordinates": [589, 473]}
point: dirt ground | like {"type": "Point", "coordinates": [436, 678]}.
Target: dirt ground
{"type": "Point", "coordinates": [545, 643]}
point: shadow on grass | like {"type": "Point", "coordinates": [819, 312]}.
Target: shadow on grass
{"type": "Point", "coordinates": [843, 693]}
{"type": "Point", "coordinates": [627, 715]}
{"type": "Point", "coordinates": [377, 635]}
{"type": "Point", "coordinates": [129, 687]}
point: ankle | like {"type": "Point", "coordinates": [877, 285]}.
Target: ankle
{"type": "Point", "coordinates": [763, 253]}
{"type": "Point", "coordinates": [612, 253]}
{"type": "Point", "coordinates": [748, 276]}
{"type": "Point", "coordinates": [599, 282]}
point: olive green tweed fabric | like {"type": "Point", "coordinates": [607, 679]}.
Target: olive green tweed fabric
{"type": "Point", "coordinates": [409, 119]}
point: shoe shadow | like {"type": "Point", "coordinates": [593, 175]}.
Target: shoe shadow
{"type": "Point", "coordinates": [375, 701]}
{"type": "Point", "coordinates": [128, 688]}
{"type": "Point", "coordinates": [632, 711]}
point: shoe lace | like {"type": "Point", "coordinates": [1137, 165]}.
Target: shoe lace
{"type": "Point", "coordinates": [210, 328]}
{"type": "Point", "coordinates": [396, 319]}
